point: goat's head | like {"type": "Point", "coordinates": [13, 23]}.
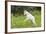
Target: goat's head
{"type": "Point", "coordinates": [25, 12]}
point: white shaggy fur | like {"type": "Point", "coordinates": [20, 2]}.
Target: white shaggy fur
{"type": "Point", "coordinates": [29, 16]}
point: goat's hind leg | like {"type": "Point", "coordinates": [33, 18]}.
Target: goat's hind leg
{"type": "Point", "coordinates": [33, 23]}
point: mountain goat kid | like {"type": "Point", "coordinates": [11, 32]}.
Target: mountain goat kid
{"type": "Point", "coordinates": [29, 17]}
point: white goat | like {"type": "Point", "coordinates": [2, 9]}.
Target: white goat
{"type": "Point", "coordinates": [29, 16]}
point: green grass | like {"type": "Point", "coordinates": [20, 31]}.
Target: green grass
{"type": "Point", "coordinates": [18, 22]}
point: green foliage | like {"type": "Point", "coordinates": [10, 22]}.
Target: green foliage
{"type": "Point", "coordinates": [17, 17]}
{"type": "Point", "coordinates": [18, 21]}
{"type": "Point", "coordinates": [19, 10]}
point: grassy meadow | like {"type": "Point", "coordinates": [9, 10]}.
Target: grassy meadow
{"type": "Point", "coordinates": [18, 22]}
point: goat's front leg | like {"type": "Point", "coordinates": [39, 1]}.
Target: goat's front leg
{"type": "Point", "coordinates": [26, 19]}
